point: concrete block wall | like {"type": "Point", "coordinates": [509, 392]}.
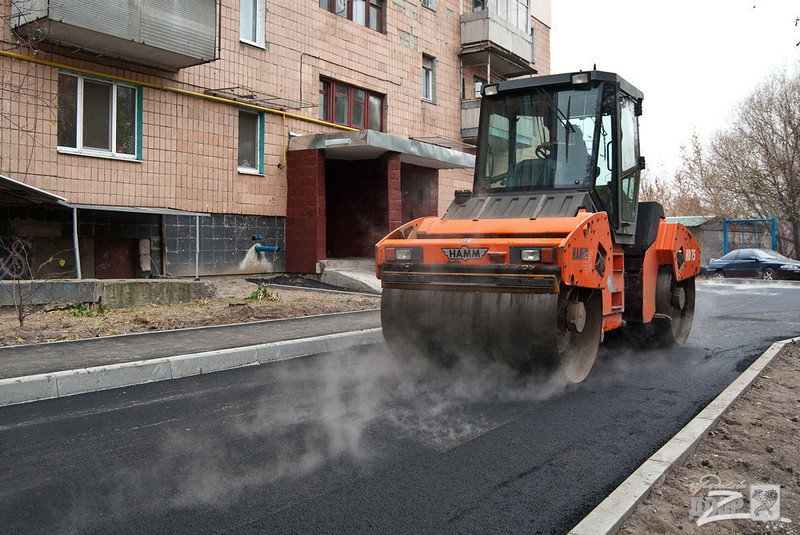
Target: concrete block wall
{"type": "Point", "coordinates": [226, 244]}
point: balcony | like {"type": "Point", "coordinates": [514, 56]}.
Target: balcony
{"type": "Point", "coordinates": [487, 39]}
{"type": "Point", "coordinates": [163, 34]}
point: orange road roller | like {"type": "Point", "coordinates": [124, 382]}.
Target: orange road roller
{"type": "Point", "coordinates": [551, 248]}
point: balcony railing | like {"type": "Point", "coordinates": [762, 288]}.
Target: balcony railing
{"type": "Point", "coordinates": [470, 114]}
{"type": "Point", "coordinates": [487, 38]}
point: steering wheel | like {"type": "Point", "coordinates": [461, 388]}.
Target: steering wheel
{"type": "Point", "coordinates": [544, 150]}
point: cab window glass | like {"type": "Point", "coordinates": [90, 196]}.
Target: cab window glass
{"type": "Point", "coordinates": [629, 133]}
{"type": "Point", "coordinates": [604, 182]}
{"type": "Point", "coordinates": [630, 186]}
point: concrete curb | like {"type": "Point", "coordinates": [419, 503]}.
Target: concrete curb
{"type": "Point", "coordinates": [609, 515]}
{"type": "Point", "coordinates": [16, 390]}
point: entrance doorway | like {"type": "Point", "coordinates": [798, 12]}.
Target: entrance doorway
{"type": "Point", "coordinates": [419, 187]}
{"type": "Point", "coordinates": [116, 259]}
{"type": "Point", "coordinates": [356, 207]}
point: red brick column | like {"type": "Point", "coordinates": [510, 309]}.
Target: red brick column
{"type": "Point", "coordinates": [434, 193]}
{"type": "Point", "coordinates": [305, 210]}
{"type": "Point", "coordinates": [394, 191]}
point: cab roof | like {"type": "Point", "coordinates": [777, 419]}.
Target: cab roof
{"type": "Point", "coordinates": [565, 80]}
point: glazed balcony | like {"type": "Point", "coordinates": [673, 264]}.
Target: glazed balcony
{"type": "Point", "coordinates": [164, 34]}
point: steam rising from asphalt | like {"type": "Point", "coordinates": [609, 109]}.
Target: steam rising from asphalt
{"type": "Point", "coordinates": [333, 412]}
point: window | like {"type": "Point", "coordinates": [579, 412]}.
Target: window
{"type": "Point", "coordinates": [514, 11]}
{"type": "Point", "coordinates": [367, 13]}
{"type": "Point", "coordinates": [629, 133]}
{"type": "Point", "coordinates": [428, 78]}
{"type": "Point", "coordinates": [478, 84]}
{"type": "Point", "coordinates": [430, 4]}
{"type": "Point", "coordinates": [251, 147]}
{"type": "Point", "coordinates": [350, 106]}
{"type": "Point", "coordinates": [98, 116]}
{"type": "Point", "coordinates": [251, 22]}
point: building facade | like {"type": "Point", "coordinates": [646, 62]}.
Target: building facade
{"type": "Point", "coordinates": [159, 138]}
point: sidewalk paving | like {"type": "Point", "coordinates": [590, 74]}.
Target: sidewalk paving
{"type": "Point", "coordinates": [43, 371]}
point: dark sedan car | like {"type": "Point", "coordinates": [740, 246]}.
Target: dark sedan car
{"type": "Point", "coordinates": [760, 263]}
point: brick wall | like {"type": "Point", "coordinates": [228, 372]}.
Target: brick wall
{"type": "Point", "coordinates": [305, 213]}
{"type": "Point", "coordinates": [189, 144]}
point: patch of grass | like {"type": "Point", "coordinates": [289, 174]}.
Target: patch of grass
{"type": "Point", "coordinates": [263, 293]}
{"type": "Point", "coordinates": [83, 310]}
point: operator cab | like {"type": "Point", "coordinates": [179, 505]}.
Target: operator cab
{"type": "Point", "coordinates": [564, 133]}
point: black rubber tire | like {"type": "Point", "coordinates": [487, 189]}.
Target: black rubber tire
{"type": "Point", "coordinates": [577, 358]}
{"type": "Point", "coordinates": [768, 274]}
{"type": "Point", "coordinates": [674, 322]}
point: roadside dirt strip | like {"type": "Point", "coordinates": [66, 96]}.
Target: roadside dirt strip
{"type": "Point", "coordinates": [694, 483]}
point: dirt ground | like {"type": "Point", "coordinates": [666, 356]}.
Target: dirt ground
{"type": "Point", "coordinates": [229, 306]}
{"type": "Point", "coordinates": [755, 442]}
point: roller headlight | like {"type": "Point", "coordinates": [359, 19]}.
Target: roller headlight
{"type": "Point", "coordinates": [531, 255]}
{"type": "Point", "coordinates": [403, 254]}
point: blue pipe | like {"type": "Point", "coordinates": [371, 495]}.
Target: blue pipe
{"type": "Point", "coordinates": [265, 248]}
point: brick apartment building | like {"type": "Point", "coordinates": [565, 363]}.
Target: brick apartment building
{"type": "Point", "coordinates": [158, 138]}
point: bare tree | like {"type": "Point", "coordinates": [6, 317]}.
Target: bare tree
{"type": "Point", "coordinates": [699, 186]}
{"type": "Point", "coordinates": [758, 157]}
{"type": "Point", "coordinates": [655, 187]}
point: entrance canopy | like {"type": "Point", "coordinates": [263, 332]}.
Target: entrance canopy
{"type": "Point", "coordinates": [13, 192]}
{"type": "Point", "coordinates": [370, 144]}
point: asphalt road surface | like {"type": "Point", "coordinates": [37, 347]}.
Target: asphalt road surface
{"type": "Point", "coordinates": [359, 443]}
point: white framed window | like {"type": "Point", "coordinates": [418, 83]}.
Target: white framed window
{"type": "Point", "coordinates": [252, 16]}
{"type": "Point", "coordinates": [477, 83]}
{"type": "Point", "coordinates": [428, 78]}
{"type": "Point", "coordinates": [430, 4]}
{"type": "Point", "coordinates": [514, 11]}
{"type": "Point", "coordinates": [98, 117]}
{"type": "Point", "coordinates": [251, 142]}
{"type": "Point", "coordinates": [367, 13]}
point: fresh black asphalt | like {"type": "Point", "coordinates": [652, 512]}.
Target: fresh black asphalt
{"type": "Point", "coordinates": [359, 443]}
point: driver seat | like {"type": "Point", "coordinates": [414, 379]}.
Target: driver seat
{"type": "Point", "coordinates": [529, 174]}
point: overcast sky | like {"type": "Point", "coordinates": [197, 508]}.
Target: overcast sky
{"type": "Point", "coordinates": [694, 60]}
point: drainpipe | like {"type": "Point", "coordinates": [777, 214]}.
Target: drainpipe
{"type": "Point", "coordinates": [163, 245]}
{"type": "Point", "coordinates": [75, 242]}
{"type": "Point", "coordinates": [197, 248]}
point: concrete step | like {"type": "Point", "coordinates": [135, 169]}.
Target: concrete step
{"type": "Point", "coordinates": [362, 264]}
{"type": "Point", "coordinates": [356, 274]}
